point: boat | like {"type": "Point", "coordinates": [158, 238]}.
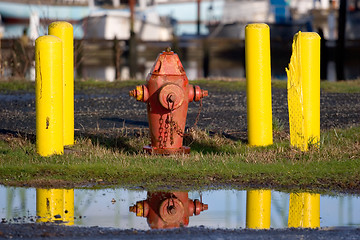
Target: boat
{"type": "Point", "coordinates": [278, 14]}
{"type": "Point", "coordinates": [21, 11]}
{"type": "Point", "coordinates": [95, 20]}
{"type": "Point", "coordinates": [109, 24]}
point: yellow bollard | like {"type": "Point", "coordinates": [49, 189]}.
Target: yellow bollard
{"type": "Point", "coordinates": [304, 90]}
{"type": "Point", "coordinates": [258, 209]}
{"type": "Point", "coordinates": [55, 205]}
{"type": "Point", "coordinates": [304, 210]}
{"type": "Point", "coordinates": [49, 96]}
{"type": "Point", "coordinates": [64, 31]}
{"type": "Point", "coordinates": [258, 84]}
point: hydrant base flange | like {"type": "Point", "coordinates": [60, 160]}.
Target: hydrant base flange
{"type": "Point", "coordinates": [166, 151]}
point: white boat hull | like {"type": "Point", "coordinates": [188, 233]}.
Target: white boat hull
{"type": "Point", "coordinates": [111, 24]}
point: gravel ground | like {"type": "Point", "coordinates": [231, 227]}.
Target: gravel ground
{"type": "Point", "coordinates": [222, 112]}
{"type": "Point", "coordinates": [52, 231]}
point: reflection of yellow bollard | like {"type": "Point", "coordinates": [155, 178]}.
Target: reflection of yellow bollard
{"type": "Point", "coordinates": [64, 31]}
{"type": "Point", "coordinates": [55, 205]}
{"type": "Point", "coordinates": [258, 209]}
{"type": "Point", "coordinates": [69, 206]}
{"type": "Point", "coordinates": [49, 205]}
{"type": "Point", "coordinates": [304, 90]}
{"type": "Point", "coordinates": [304, 210]}
{"type": "Point", "coordinates": [49, 96]}
{"type": "Point", "coordinates": [258, 84]}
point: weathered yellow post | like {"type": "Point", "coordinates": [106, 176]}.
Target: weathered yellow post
{"type": "Point", "coordinates": [55, 205]}
{"type": "Point", "coordinates": [258, 209]}
{"type": "Point", "coordinates": [304, 90]}
{"type": "Point", "coordinates": [304, 210]}
{"type": "Point", "coordinates": [49, 96]}
{"type": "Point", "coordinates": [258, 84]}
{"type": "Point", "coordinates": [64, 31]}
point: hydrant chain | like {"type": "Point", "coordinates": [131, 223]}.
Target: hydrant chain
{"type": "Point", "coordinates": [171, 129]}
{"type": "Point", "coordinates": [170, 100]}
{"type": "Point", "coordinates": [161, 121]}
{"type": "Point", "coordinates": [175, 126]}
{"type": "Point", "coordinates": [166, 133]}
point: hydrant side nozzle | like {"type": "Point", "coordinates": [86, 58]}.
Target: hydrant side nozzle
{"type": "Point", "coordinates": [199, 207]}
{"type": "Point", "coordinates": [205, 206]}
{"type": "Point", "coordinates": [132, 209]}
{"type": "Point", "coordinates": [141, 93]}
{"type": "Point", "coordinates": [141, 208]}
{"type": "Point", "coordinates": [198, 93]}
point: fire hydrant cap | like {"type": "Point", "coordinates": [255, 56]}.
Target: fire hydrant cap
{"type": "Point", "coordinates": [171, 96]}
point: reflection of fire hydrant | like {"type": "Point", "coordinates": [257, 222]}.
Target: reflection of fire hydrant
{"type": "Point", "coordinates": [168, 210]}
{"type": "Point", "coordinates": [167, 94]}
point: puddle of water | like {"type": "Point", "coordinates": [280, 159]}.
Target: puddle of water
{"type": "Point", "coordinates": [119, 208]}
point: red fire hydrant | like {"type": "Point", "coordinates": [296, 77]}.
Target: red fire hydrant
{"type": "Point", "coordinates": [167, 94]}
{"type": "Point", "coordinates": [168, 209]}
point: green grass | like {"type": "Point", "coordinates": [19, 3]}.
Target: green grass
{"type": "Point", "coordinates": [214, 162]}
{"type": "Point", "coordinates": [342, 86]}
{"type": "Point", "coordinates": [16, 85]}
{"type": "Point", "coordinates": [351, 86]}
